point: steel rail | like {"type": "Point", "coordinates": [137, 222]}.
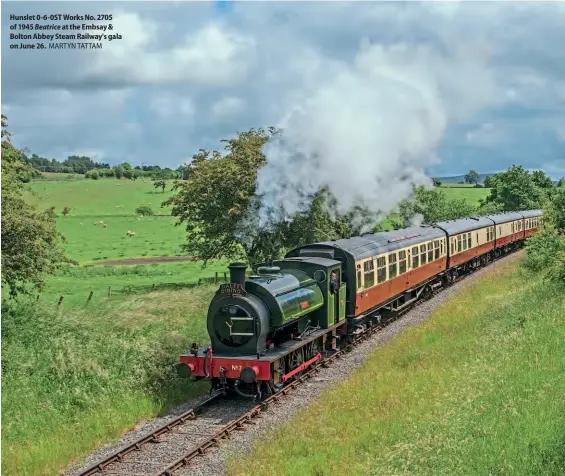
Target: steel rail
{"type": "Point", "coordinates": [151, 437]}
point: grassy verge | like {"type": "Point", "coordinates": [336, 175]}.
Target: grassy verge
{"type": "Point", "coordinates": [477, 389]}
{"type": "Point", "coordinates": [76, 378]}
{"type": "Point", "coordinates": [76, 283]}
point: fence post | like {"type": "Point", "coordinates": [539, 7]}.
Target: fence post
{"type": "Point", "coordinates": [89, 297]}
{"type": "Point", "coordinates": [60, 301]}
{"type": "Point", "coordinates": [216, 282]}
{"type": "Point", "coordinates": [109, 291]}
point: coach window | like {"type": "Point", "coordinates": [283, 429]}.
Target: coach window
{"type": "Point", "coordinates": [415, 257]}
{"type": "Point", "coordinates": [401, 262]}
{"type": "Point", "coordinates": [499, 231]}
{"type": "Point", "coordinates": [459, 244]}
{"type": "Point", "coordinates": [436, 249]}
{"type": "Point", "coordinates": [381, 269]}
{"type": "Point", "coordinates": [369, 272]}
{"type": "Point", "coordinates": [452, 246]}
{"type": "Point", "coordinates": [464, 241]}
{"type": "Point", "coordinates": [359, 281]}
{"type": "Point", "coordinates": [423, 259]}
{"type": "Point", "coordinates": [469, 240]}
{"type": "Point", "coordinates": [392, 271]}
{"type": "Point", "coordinates": [441, 247]}
{"type": "Point", "coordinates": [430, 252]}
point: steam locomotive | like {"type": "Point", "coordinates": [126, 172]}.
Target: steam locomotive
{"type": "Point", "coordinates": [267, 328]}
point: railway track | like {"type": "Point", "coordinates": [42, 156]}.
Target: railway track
{"type": "Point", "coordinates": [177, 443]}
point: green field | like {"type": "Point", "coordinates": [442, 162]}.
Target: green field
{"type": "Point", "coordinates": [477, 389]}
{"type": "Point", "coordinates": [469, 193]}
{"type": "Point", "coordinates": [114, 202]}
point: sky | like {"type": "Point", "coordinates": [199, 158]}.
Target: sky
{"type": "Point", "coordinates": [468, 85]}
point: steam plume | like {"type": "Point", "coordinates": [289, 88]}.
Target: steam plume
{"type": "Point", "coordinates": [368, 130]}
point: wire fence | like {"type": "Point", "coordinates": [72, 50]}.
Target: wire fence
{"type": "Point", "coordinates": [139, 289]}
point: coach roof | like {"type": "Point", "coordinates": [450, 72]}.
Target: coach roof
{"type": "Point", "coordinates": [532, 213]}
{"type": "Point", "coordinates": [505, 217]}
{"type": "Point", "coordinates": [453, 227]}
{"type": "Point", "coordinates": [374, 244]}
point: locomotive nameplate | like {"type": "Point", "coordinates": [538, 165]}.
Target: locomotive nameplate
{"type": "Point", "coordinates": [232, 289]}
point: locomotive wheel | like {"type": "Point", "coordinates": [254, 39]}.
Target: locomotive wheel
{"type": "Point", "coordinates": [296, 360]}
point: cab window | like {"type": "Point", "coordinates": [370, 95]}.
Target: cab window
{"type": "Point", "coordinates": [359, 280]}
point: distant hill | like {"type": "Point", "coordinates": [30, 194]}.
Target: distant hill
{"type": "Point", "coordinates": [461, 178]}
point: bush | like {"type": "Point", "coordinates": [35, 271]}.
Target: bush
{"type": "Point", "coordinates": [479, 185]}
{"type": "Point", "coordinates": [92, 174]}
{"type": "Point", "coordinates": [144, 210]}
{"type": "Point", "coordinates": [546, 254]}
{"type": "Point", "coordinates": [66, 211]}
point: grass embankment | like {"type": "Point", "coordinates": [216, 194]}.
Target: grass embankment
{"type": "Point", "coordinates": [477, 389]}
{"type": "Point", "coordinates": [78, 378]}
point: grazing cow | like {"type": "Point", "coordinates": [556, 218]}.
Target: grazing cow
{"type": "Point", "coordinates": [105, 225]}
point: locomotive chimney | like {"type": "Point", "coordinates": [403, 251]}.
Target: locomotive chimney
{"type": "Point", "coordinates": [237, 273]}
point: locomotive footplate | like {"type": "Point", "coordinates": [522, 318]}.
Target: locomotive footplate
{"type": "Point", "coordinates": [205, 363]}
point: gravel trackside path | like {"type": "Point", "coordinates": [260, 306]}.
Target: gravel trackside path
{"type": "Point", "coordinates": [213, 463]}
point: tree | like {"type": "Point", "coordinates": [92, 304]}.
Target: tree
{"type": "Point", "coordinates": [160, 183]}
{"type": "Point", "coordinates": [66, 211]}
{"type": "Point", "coordinates": [514, 190]}
{"type": "Point", "coordinates": [30, 246]}
{"type": "Point", "coordinates": [437, 182]}
{"type": "Point", "coordinates": [429, 206]}
{"type": "Point", "coordinates": [118, 171]}
{"type": "Point", "coordinates": [488, 181]}
{"type": "Point", "coordinates": [218, 206]}
{"type": "Point", "coordinates": [541, 180]}
{"type": "Point", "coordinates": [558, 207]}
{"type": "Point", "coordinates": [144, 210]}
{"type": "Point", "coordinates": [472, 177]}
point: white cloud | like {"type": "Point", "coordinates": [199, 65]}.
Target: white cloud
{"type": "Point", "coordinates": [213, 55]}
{"type": "Point", "coordinates": [170, 106]}
{"type": "Point", "coordinates": [487, 135]}
{"type": "Point", "coordinates": [227, 107]}
{"type": "Point", "coordinates": [185, 76]}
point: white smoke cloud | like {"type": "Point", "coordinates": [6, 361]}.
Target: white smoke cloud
{"type": "Point", "coordinates": [367, 130]}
